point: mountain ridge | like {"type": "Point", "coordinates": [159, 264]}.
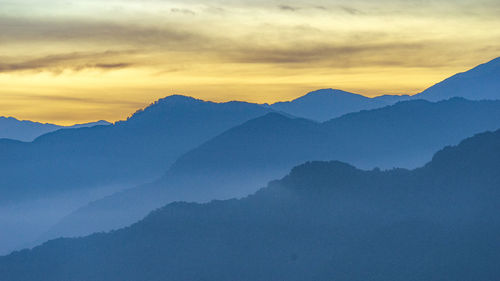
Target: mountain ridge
{"type": "Point", "coordinates": [246, 157]}
{"type": "Point", "coordinates": [478, 83]}
{"type": "Point", "coordinates": [323, 221]}
{"type": "Point", "coordinates": [326, 104]}
{"type": "Point", "coordinates": [27, 131]}
{"type": "Point", "coordinates": [143, 147]}
{"type": "Point", "coordinates": [88, 163]}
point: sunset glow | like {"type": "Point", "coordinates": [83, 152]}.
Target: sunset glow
{"type": "Point", "coordinates": [75, 61]}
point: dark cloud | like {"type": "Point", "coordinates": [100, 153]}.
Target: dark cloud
{"type": "Point", "coordinates": [302, 46]}
{"type": "Point", "coordinates": [79, 98]}
{"type": "Point", "coordinates": [74, 61]}
{"type": "Point", "coordinates": [25, 30]}
{"type": "Point", "coordinates": [340, 55]}
{"type": "Point", "coordinates": [351, 53]}
{"type": "Point", "coordinates": [288, 8]}
{"type": "Point", "coordinates": [111, 65]}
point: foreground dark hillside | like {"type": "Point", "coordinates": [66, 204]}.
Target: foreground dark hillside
{"type": "Point", "coordinates": [324, 221]}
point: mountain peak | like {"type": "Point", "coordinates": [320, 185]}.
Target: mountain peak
{"type": "Point", "coordinates": [478, 83]}
{"type": "Point", "coordinates": [326, 104]}
{"type": "Point", "coordinates": [166, 104]}
{"type": "Point", "coordinates": [328, 93]}
{"type": "Point", "coordinates": [177, 99]}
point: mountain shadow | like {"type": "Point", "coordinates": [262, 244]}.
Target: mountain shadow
{"type": "Point", "coordinates": [324, 221]}
{"type": "Point", "coordinates": [242, 159]}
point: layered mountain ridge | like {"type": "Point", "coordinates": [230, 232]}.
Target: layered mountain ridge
{"type": "Point", "coordinates": [324, 221]}
{"type": "Point", "coordinates": [246, 157]}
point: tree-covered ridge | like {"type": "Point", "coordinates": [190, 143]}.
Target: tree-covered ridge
{"type": "Point", "coordinates": [324, 221]}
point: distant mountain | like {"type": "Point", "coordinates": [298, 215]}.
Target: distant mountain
{"type": "Point", "coordinates": [89, 164]}
{"type": "Point", "coordinates": [479, 83]}
{"type": "Point", "coordinates": [91, 124]}
{"type": "Point", "coordinates": [324, 221]}
{"type": "Point", "coordinates": [139, 148]}
{"type": "Point", "coordinates": [244, 158]}
{"type": "Point", "coordinates": [45, 180]}
{"type": "Point", "coordinates": [325, 104]}
{"type": "Point", "coordinates": [23, 130]}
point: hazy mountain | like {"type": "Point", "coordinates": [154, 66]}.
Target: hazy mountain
{"type": "Point", "coordinates": [479, 83]}
{"type": "Point", "coordinates": [45, 180]}
{"type": "Point", "coordinates": [244, 158]}
{"type": "Point", "coordinates": [324, 221]}
{"type": "Point", "coordinates": [23, 130]}
{"type": "Point", "coordinates": [139, 148]}
{"type": "Point", "coordinates": [91, 124]}
{"type": "Point", "coordinates": [325, 104]}
{"type": "Point", "coordinates": [108, 160]}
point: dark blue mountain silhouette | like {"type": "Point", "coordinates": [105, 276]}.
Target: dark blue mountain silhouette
{"type": "Point", "coordinates": [138, 149]}
{"type": "Point", "coordinates": [479, 83]}
{"type": "Point", "coordinates": [324, 221]}
{"type": "Point", "coordinates": [24, 130]}
{"type": "Point", "coordinates": [244, 158]}
{"type": "Point", "coordinates": [322, 105]}
{"type": "Point", "coordinates": [85, 125]}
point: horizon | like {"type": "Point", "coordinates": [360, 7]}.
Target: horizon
{"type": "Point", "coordinates": [73, 62]}
{"type": "Point", "coordinates": [188, 96]}
{"type": "Point", "coordinates": [124, 115]}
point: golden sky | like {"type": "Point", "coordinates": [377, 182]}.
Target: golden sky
{"type": "Point", "coordinates": [75, 61]}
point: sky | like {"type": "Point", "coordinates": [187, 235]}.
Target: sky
{"type": "Point", "coordinates": [83, 60]}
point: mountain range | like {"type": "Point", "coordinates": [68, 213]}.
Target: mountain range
{"type": "Point", "coordinates": [204, 150]}
{"type": "Point", "coordinates": [323, 221]}
{"type": "Point", "coordinates": [43, 181]}
{"type": "Point", "coordinates": [138, 149]}
{"type": "Point", "coordinates": [27, 131]}
{"type": "Point", "coordinates": [479, 83]}
{"type": "Point", "coordinates": [246, 157]}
